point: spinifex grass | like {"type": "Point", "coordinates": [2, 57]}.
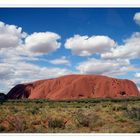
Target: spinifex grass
{"type": "Point", "coordinates": [71, 116]}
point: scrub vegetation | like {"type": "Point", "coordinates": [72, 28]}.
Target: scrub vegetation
{"type": "Point", "coordinates": [70, 116]}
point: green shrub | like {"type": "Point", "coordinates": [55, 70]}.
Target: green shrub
{"type": "Point", "coordinates": [18, 123]}
{"type": "Point", "coordinates": [34, 110]}
{"type": "Point", "coordinates": [119, 108]}
{"type": "Point", "coordinates": [2, 128]}
{"type": "Point", "coordinates": [14, 109]}
{"type": "Point", "coordinates": [87, 120]}
{"type": "Point", "coordinates": [82, 120]}
{"type": "Point", "coordinates": [134, 113]}
{"type": "Point", "coordinates": [56, 123]}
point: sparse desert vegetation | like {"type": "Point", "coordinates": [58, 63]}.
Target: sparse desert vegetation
{"type": "Point", "coordinates": [77, 116]}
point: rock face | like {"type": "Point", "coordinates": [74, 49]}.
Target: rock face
{"type": "Point", "coordinates": [75, 87]}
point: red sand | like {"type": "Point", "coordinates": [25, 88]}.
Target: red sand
{"type": "Point", "coordinates": [75, 87]}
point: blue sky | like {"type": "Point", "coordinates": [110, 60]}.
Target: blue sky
{"type": "Point", "coordinates": [117, 23]}
{"type": "Point", "coordinates": [50, 42]}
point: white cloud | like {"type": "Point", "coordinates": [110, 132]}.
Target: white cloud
{"type": "Point", "coordinates": [12, 44]}
{"type": "Point", "coordinates": [5, 72]}
{"type": "Point", "coordinates": [137, 81]}
{"type": "Point", "coordinates": [42, 42]}
{"type": "Point", "coordinates": [106, 67]}
{"type": "Point", "coordinates": [130, 49]}
{"type": "Point", "coordinates": [12, 74]}
{"type": "Point", "coordinates": [12, 55]}
{"type": "Point", "coordinates": [86, 46]}
{"type": "Point", "coordinates": [137, 18]}
{"type": "Point", "coordinates": [10, 35]}
{"type": "Point", "coordinates": [17, 44]}
{"type": "Point", "coordinates": [16, 48]}
{"type": "Point", "coordinates": [137, 75]}
{"type": "Point", "coordinates": [60, 61]}
{"type": "Point", "coordinates": [31, 71]}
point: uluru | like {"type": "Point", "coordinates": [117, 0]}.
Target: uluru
{"type": "Point", "coordinates": [75, 87]}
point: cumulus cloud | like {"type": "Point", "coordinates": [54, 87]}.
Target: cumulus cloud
{"type": "Point", "coordinates": [13, 39]}
{"type": "Point", "coordinates": [10, 35]}
{"type": "Point", "coordinates": [12, 55]}
{"type": "Point", "coordinates": [86, 46]}
{"type": "Point", "coordinates": [31, 71]}
{"type": "Point", "coordinates": [106, 67]}
{"type": "Point", "coordinates": [12, 74]}
{"type": "Point", "coordinates": [137, 81]}
{"type": "Point", "coordinates": [42, 42]}
{"type": "Point", "coordinates": [60, 61]}
{"type": "Point", "coordinates": [5, 72]}
{"type": "Point", "coordinates": [130, 49]}
{"type": "Point", "coordinates": [137, 18]}
{"type": "Point", "coordinates": [18, 50]}
{"type": "Point", "coordinates": [137, 75]}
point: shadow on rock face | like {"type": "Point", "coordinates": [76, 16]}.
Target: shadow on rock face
{"type": "Point", "coordinates": [20, 91]}
{"type": "Point", "coordinates": [123, 93]}
{"type": "Point", "coordinates": [3, 96]}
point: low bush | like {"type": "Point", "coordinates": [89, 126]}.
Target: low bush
{"type": "Point", "coordinates": [14, 109]}
{"type": "Point", "coordinates": [119, 108]}
{"type": "Point", "coordinates": [134, 113]}
{"type": "Point", "coordinates": [87, 120]}
{"type": "Point", "coordinates": [56, 123]}
{"type": "Point", "coordinates": [18, 123]}
{"type": "Point", "coordinates": [2, 128]}
{"type": "Point", "coordinates": [34, 110]}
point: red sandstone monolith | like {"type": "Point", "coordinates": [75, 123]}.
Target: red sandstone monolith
{"type": "Point", "coordinates": [75, 87]}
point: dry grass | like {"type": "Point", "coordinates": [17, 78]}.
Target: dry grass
{"type": "Point", "coordinates": [82, 116]}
